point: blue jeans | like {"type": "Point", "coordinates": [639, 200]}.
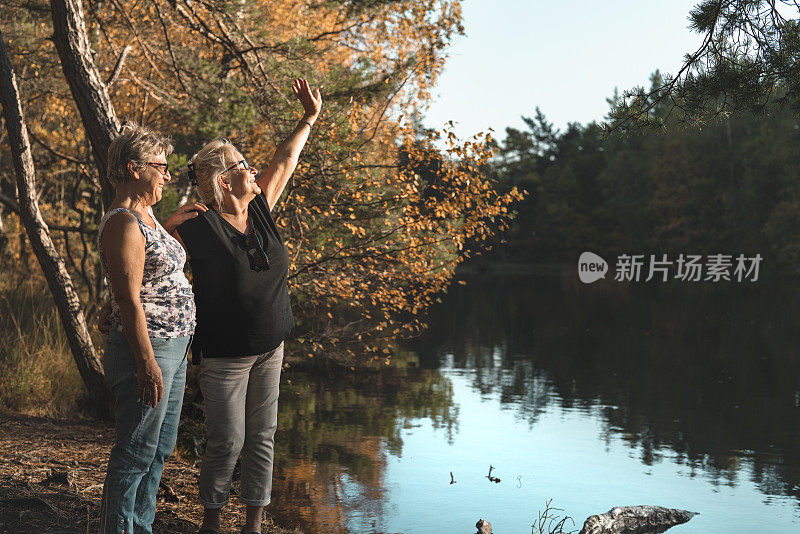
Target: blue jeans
{"type": "Point", "coordinates": [145, 435]}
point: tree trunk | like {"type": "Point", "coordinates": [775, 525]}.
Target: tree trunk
{"type": "Point", "coordinates": [635, 520]}
{"type": "Point", "coordinates": [88, 90]}
{"type": "Point", "coordinates": [51, 262]}
{"type": "Point", "coordinates": [185, 192]}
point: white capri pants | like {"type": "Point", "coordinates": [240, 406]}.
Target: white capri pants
{"type": "Point", "coordinates": [241, 404]}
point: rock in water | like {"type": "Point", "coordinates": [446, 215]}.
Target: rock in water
{"type": "Point", "coordinates": [635, 520]}
{"type": "Point", "coordinates": [483, 526]}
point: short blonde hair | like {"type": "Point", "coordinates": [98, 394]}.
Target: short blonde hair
{"type": "Point", "coordinates": [137, 144]}
{"type": "Point", "coordinates": [209, 162]}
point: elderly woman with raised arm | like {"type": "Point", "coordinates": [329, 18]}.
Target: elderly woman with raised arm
{"type": "Point", "coordinates": [151, 321]}
{"type": "Point", "coordinates": [239, 270]}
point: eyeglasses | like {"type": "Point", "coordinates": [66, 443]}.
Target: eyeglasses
{"type": "Point", "coordinates": [242, 162]}
{"type": "Point", "coordinates": [158, 167]}
{"type": "Point", "coordinates": [258, 260]}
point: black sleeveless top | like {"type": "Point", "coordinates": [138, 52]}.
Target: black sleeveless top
{"type": "Point", "coordinates": [240, 311]}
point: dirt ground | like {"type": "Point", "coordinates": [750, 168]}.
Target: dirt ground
{"type": "Point", "coordinates": [51, 480]}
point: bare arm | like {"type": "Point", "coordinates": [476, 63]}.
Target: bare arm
{"type": "Point", "coordinates": [286, 156]}
{"type": "Point", "coordinates": [123, 245]}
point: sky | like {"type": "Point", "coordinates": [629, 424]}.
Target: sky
{"type": "Point", "coordinates": [565, 57]}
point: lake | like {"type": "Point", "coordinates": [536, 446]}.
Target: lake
{"type": "Point", "coordinates": [674, 394]}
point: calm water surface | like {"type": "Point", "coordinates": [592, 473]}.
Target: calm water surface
{"type": "Point", "coordinates": [682, 395]}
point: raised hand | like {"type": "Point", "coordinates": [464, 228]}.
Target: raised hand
{"type": "Point", "coordinates": [312, 102]}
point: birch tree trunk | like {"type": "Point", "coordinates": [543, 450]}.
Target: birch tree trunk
{"type": "Point", "coordinates": [51, 262]}
{"type": "Point", "coordinates": [88, 89]}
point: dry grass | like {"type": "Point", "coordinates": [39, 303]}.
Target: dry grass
{"type": "Point", "coordinates": [37, 373]}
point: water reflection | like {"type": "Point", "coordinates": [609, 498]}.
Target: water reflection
{"type": "Point", "coordinates": [336, 430]}
{"type": "Point", "coordinates": [705, 378]}
{"type": "Point", "coordinates": [709, 371]}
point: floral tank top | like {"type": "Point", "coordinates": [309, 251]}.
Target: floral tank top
{"type": "Point", "coordinates": [166, 295]}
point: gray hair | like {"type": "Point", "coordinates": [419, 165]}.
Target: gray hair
{"type": "Point", "coordinates": [137, 144]}
{"type": "Point", "coordinates": [209, 162]}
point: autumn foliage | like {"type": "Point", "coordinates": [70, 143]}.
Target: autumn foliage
{"type": "Point", "coordinates": [378, 211]}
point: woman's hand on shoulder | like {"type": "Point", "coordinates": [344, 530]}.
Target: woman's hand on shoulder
{"type": "Point", "coordinates": [183, 214]}
{"type": "Point", "coordinates": [312, 102]}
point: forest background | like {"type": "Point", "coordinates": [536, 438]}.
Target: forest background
{"type": "Point", "coordinates": [375, 219]}
{"type": "Point", "coordinates": [381, 210]}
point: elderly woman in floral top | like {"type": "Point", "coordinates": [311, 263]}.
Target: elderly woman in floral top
{"type": "Point", "coordinates": [151, 323]}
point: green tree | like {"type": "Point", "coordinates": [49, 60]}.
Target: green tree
{"type": "Point", "coordinates": [728, 187]}
{"type": "Point", "coordinates": [748, 60]}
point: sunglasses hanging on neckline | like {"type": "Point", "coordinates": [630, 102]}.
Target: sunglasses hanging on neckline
{"type": "Point", "coordinates": [258, 260]}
